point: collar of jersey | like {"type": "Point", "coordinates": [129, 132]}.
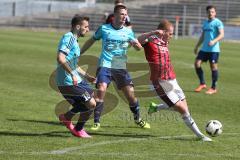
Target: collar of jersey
{"type": "Point", "coordinates": [116, 28]}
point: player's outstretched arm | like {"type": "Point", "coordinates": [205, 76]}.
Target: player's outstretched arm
{"type": "Point", "coordinates": [136, 44]}
{"type": "Point", "coordinates": [143, 38]}
{"type": "Point", "coordinates": [87, 44]}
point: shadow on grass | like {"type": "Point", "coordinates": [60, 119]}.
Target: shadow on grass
{"type": "Point", "coordinates": [191, 91]}
{"type": "Point", "coordinates": [129, 135]}
{"type": "Point", "coordinates": [122, 127]}
{"type": "Point", "coordinates": [60, 124]}
{"type": "Point", "coordinates": [36, 121]}
{"type": "Point", "coordinates": [134, 134]}
{"type": "Point", "coordinates": [190, 139]}
{"type": "Point", "coordinates": [60, 134]}
{"type": "Point", "coordinates": [27, 134]}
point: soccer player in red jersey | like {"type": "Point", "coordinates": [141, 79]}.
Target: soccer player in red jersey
{"type": "Point", "coordinates": [163, 77]}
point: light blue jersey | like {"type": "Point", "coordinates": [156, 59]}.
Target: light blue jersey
{"type": "Point", "coordinates": [211, 31]}
{"type": "Point", "coordinates": [114, 45]}
{"type": "Point", "coordinates": [69, 46]}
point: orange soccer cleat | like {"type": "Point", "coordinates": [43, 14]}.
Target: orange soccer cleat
{"type": "Point", "coordinates": [200, 87]}
{"type": "Point", "coordinates": [211, 91]}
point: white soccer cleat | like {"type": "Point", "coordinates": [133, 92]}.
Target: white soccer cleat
{"type": "Point", "coordinates": [206, 139]}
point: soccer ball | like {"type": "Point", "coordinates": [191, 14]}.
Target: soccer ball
{"type": "Point", "coordinates": [214, 128]}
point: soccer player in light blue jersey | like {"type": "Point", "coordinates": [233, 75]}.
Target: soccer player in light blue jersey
{"type": "Point", "coordinates": [112, 63]}
{"type": "Point", "coordinates": [110, 17]}
{"type": "Point", "coordinates": [70, 78]}
{"type": "Point", "coordinates": [213, 32]}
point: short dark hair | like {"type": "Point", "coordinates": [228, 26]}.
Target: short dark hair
{"type": "Point", "coordinates": [118, 1]}
{"type": "Point", "coordinates": [210, 7]}
{"type": "Point", "coordinates": [118, 7]}
{"type": "Point", "coordinates": [164, 24]}
{"type": "Point", "coordinates": [77, 19]}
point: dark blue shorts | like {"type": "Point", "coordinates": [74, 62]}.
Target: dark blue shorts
{"type": "Point", "coordinates": [78, 95]}
{"type": "Point", "coordinates": [212, 57]}
{"type": "Point", "coordinates": [120, 76]}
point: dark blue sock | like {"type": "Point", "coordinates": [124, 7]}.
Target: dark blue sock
{"type": "Point", "coordinates": [69, 115]}
{"type": "Point", "coordinates": [135, 110]}
{"type": "Point", "coordinates": [97, 112]}
{"type": "Point", "coordinates": [214, 78]}
{"type": "Point", "coordinates": [75, 110]}
{"type": "Point", "coordinates": [83, 118]}
{"type": "Point", "coordinates": [200, 75]}
{"type": "Point", "coordinates": [79, 126]}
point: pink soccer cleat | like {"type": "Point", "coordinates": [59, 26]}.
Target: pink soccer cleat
{"type": "Point", "coordinates": [82, 133]}
{"type": "Point", "coordinates": [66, 122]}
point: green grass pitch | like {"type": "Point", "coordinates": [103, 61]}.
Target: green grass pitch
{"type": "Point", "coordinates": [30, 128]}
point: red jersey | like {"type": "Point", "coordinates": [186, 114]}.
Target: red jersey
{"type": "Point", "coordinates": [157, 55]}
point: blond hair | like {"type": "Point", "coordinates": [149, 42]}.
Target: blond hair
{"type": "Point", "coordinates": [164, 24]}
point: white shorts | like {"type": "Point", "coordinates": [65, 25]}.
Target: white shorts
{"type": "Point", "coordinates": [169, 91]}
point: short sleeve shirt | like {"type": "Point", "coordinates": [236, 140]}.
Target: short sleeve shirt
{"type": "Point", "coordinates": [211, 31]}
{"type": "Point", "coordinates": [114, 45]}
{"type": "Point", "coordinates": [70, 47]}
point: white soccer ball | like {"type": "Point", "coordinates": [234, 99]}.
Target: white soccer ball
{"type": "Point", "coordinates": [214, 128]}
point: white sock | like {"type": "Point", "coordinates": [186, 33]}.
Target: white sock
{"type": "Point", "coordinates": [192, 125]}
{"type": "Point", "coordinates": [162, 106]}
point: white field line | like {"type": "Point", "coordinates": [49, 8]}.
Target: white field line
{"type": "Point", "coordinates": [157, 155]}
{"type": "Point", "coordinates": [78, 148]}
{"type": "Point", "coordinates": [184, 64]}
{"type": "Point", "coordinates": [124, 154]}
{"type": "Point", "coordinates": [71, 149]}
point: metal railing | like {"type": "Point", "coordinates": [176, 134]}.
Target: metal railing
{"type": "Point", "coordinates": [28, 8]}
{"type": "Point", "coordinates": [190, 14]}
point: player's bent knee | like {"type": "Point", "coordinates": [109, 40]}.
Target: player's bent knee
{"type": "Point", "coordinates": [91, 104]}
{"type": "Point", "coordinates": [197, 64]}
{"type": "Point", "coordinates": [132, 100]}
{"type": "Point", "coordinates": [181, 107]}
{"type": "Point", "coordinates": [214, 67]}
{"type": "Point", "coordinates": [102, 87]}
